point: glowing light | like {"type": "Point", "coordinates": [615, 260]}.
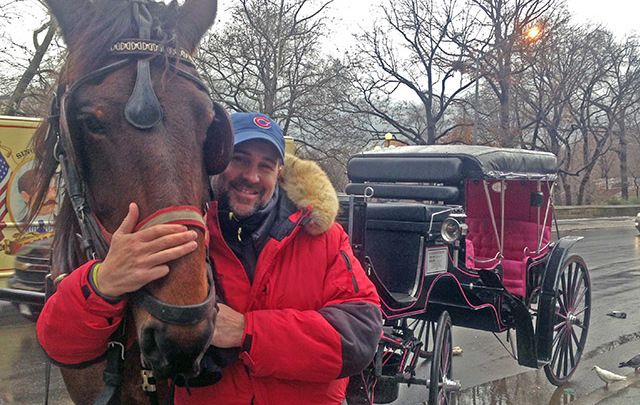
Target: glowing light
{"type": "Point", "coordinates": [534, 32]}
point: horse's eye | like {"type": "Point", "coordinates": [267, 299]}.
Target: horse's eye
{"type": "Point", "coordinates": [91, 124]}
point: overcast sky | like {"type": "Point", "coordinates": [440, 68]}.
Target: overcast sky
{"type": "Point", "coordinates": [620, 16]}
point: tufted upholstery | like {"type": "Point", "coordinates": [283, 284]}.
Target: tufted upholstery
{"type": "Point", "coordinates": [520, 243]}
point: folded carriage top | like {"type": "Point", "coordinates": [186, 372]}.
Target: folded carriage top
{"type": "Point", "coordinates": [450, 164]}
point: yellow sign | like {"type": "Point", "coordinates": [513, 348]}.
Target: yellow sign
{"type": "Point", "coordinates": [17, 186]}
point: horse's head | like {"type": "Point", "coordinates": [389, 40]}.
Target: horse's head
{"type": "Point", "coordinates": [140, 127]}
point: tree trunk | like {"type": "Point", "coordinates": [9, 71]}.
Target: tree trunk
{"type": "Point", "coordinates": [13, 104]}
{"type": "Point", "coordinates": [566, 187]}
{"type": "Point", "coordinates": [506, 136]}
{"type": "Point", "coordinates": [431, 134]}
{"type": "Point", "coordinates": [584, 184]}
{"type": "Point", "coordinates": [622, 155]}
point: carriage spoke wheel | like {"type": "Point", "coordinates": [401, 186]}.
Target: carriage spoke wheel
{"type": "Point", "coordinates": [423, 330]}
{"type": "Point", "coordinates": [571, 321]}
{"type": "Point", "coordinates": [440, 382]}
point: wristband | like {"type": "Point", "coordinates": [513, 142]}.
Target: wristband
{"type": "Point", "coordinates": [94, 275]}
{"type": "Point", "coordinates": [93, 281]}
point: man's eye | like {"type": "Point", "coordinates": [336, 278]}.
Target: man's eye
{"type": "Point", "coordinates": [267, 168]}
{"type": "Point", "coordinates": [92, 124]}
{"type": "Point", "coordinates": [240, 159]}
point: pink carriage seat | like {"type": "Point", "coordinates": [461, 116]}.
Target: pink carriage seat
{"type": "Point", "coordinates": [520, 244]}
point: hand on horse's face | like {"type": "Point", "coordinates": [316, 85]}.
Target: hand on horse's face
{"type": "Point", "coordinates": [137, 258]}
{"type": "Point", "coordinates": [229, 328]}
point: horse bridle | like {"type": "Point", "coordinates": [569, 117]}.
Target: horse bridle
{"type": "Point", "coordinates": [142, 111]}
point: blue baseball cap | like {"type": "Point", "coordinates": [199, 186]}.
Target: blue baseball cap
{"type": "Point", "coordinates": [250, 125]}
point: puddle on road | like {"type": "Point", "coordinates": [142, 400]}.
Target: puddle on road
{"type": "Point", "coordinates": [609, 346]}
{"type": "Point", "coordinates": [629, 396]}
{"type": "Point", "coordinates": [533, 388]}
{"type": "Point", "coordinates": [530, 388]}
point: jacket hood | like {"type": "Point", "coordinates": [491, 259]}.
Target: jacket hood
{"type": "Point", "coordinates": [307, 185]}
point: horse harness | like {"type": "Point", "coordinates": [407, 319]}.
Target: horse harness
{"type": "Point", "coordinates": [143, 111]}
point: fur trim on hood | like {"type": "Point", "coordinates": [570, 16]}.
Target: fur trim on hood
{"type": "Point", "coordinates": [306, 184]}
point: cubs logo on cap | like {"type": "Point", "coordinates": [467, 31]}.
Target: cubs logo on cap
{"type": "Point", "coordinates": [262, 122]}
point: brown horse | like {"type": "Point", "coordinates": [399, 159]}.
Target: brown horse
{"type": "Point", "coordinates": [133, 122]}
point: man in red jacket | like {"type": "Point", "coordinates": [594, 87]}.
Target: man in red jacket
{"type": "Point", "coordinates": [299, 313]}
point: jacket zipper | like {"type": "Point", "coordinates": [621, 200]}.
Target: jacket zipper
{"type": "Point", "coordinates": [347, 261]}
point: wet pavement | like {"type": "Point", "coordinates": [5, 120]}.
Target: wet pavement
{"type": "Point", "coordinates": [486, 371]}
{"type": "Point", "coordinates": [23, 363]}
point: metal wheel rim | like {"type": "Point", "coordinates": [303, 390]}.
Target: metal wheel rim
{"type": "Point", "coordinates": [573, 309]}
{"type": "Point", "coordinates": [441, 363]}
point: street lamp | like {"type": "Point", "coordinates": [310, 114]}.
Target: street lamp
{"type": "Point", "coordinates": [534, 32]}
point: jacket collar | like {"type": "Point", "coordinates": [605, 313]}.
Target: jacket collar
{"type": "Point", "coordinates": [308, 187]}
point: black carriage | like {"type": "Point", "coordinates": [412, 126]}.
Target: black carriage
{"type": "Point", "coordinates": [461, 235]}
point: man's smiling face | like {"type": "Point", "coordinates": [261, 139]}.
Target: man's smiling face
{"type": "Point", "coordinates": [250, 180]}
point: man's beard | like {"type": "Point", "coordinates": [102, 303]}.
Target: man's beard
{"type": "Point", "coordinates": [222, 192]}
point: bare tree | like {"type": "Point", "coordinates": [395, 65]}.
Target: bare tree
{"type": "Point", "coordinates": [507, 35]}
{"type": "Point", "coordinates": [591, 108]}
{"type": "Point", "coordinates": [410, 52]}
{"type": "Point", "coordinates": [268, 59]}
{"type": "Point", "coordinates": [556, 99]}
{"type": "Point", "coordinates": [624, 92]}
{"type": "Point", "coordinates": [12, 106]}
{"type": "Point", "coordinates": [605, 166]}
{"type": "Point", "coordinates": [29, 70]}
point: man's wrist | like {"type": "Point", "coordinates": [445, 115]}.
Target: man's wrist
{"type": "Point", "coordinates": [94, 282]}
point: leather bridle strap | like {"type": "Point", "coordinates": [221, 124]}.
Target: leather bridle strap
{"type": "Point", "coordinates": [177, 314]}
{"type": "Point", "coordinates": [179, 214]}
{"type": "Point", "coordinates": [169, 313]}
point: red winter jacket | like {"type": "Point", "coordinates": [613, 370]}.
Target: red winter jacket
{"type": "Point", "coordinates": [311, 315]}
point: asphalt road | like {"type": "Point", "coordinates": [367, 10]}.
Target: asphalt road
{"type": "Point", "coordinates": [486, 371]}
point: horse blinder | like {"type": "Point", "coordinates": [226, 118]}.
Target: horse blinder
{"type": "Point", "coordinates": [218, 144]}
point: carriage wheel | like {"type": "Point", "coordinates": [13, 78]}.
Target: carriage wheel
{"type": "Point", "coordinates": [422, 330]}
{"type": "Point", "coordinates": [441, 367]}
{"type": "Point", "coordinates": [571, 321]}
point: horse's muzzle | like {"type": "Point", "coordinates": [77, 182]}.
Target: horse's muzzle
{"type": "Point", "coordinates": [169, 353]}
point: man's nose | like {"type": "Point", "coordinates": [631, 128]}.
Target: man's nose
{"type": "Point", "coordinates": [251, 174]}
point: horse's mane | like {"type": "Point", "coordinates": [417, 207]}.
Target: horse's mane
{"type": "Point", "coordinates": [107, 22]}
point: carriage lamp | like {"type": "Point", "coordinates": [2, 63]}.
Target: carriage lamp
{"type": "Point", "coordinates": [452, 230]}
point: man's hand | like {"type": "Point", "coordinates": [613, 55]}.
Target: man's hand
{"type": "Point", "coordinates": [137, 258]}
{"type": "Point", "coordinates": [229, 328]}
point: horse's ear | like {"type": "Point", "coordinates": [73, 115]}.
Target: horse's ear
{"type": "Point", "coordinates": [218, 146]}
{"type": "Point", "coordinates": [68, 13]}
{"type": "Point", "coordinates": [196, 16]}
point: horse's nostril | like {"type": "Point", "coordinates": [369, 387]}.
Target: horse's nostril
{"type": "Point", "coordinates": [152, 343]}
{"type": "Point", "coordinates": [160, 351]}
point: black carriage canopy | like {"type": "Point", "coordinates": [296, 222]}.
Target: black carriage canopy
{"type": "Point", "coordinates": [449, 164]}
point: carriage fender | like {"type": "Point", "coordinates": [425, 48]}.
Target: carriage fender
{"type": "Point", "coordinates": [556, 259]}
{"type": "Point", "coordinates": [546, 305]}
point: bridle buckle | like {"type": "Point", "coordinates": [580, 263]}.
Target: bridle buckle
{"type": "Point", "coordinates": [148, 381]}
